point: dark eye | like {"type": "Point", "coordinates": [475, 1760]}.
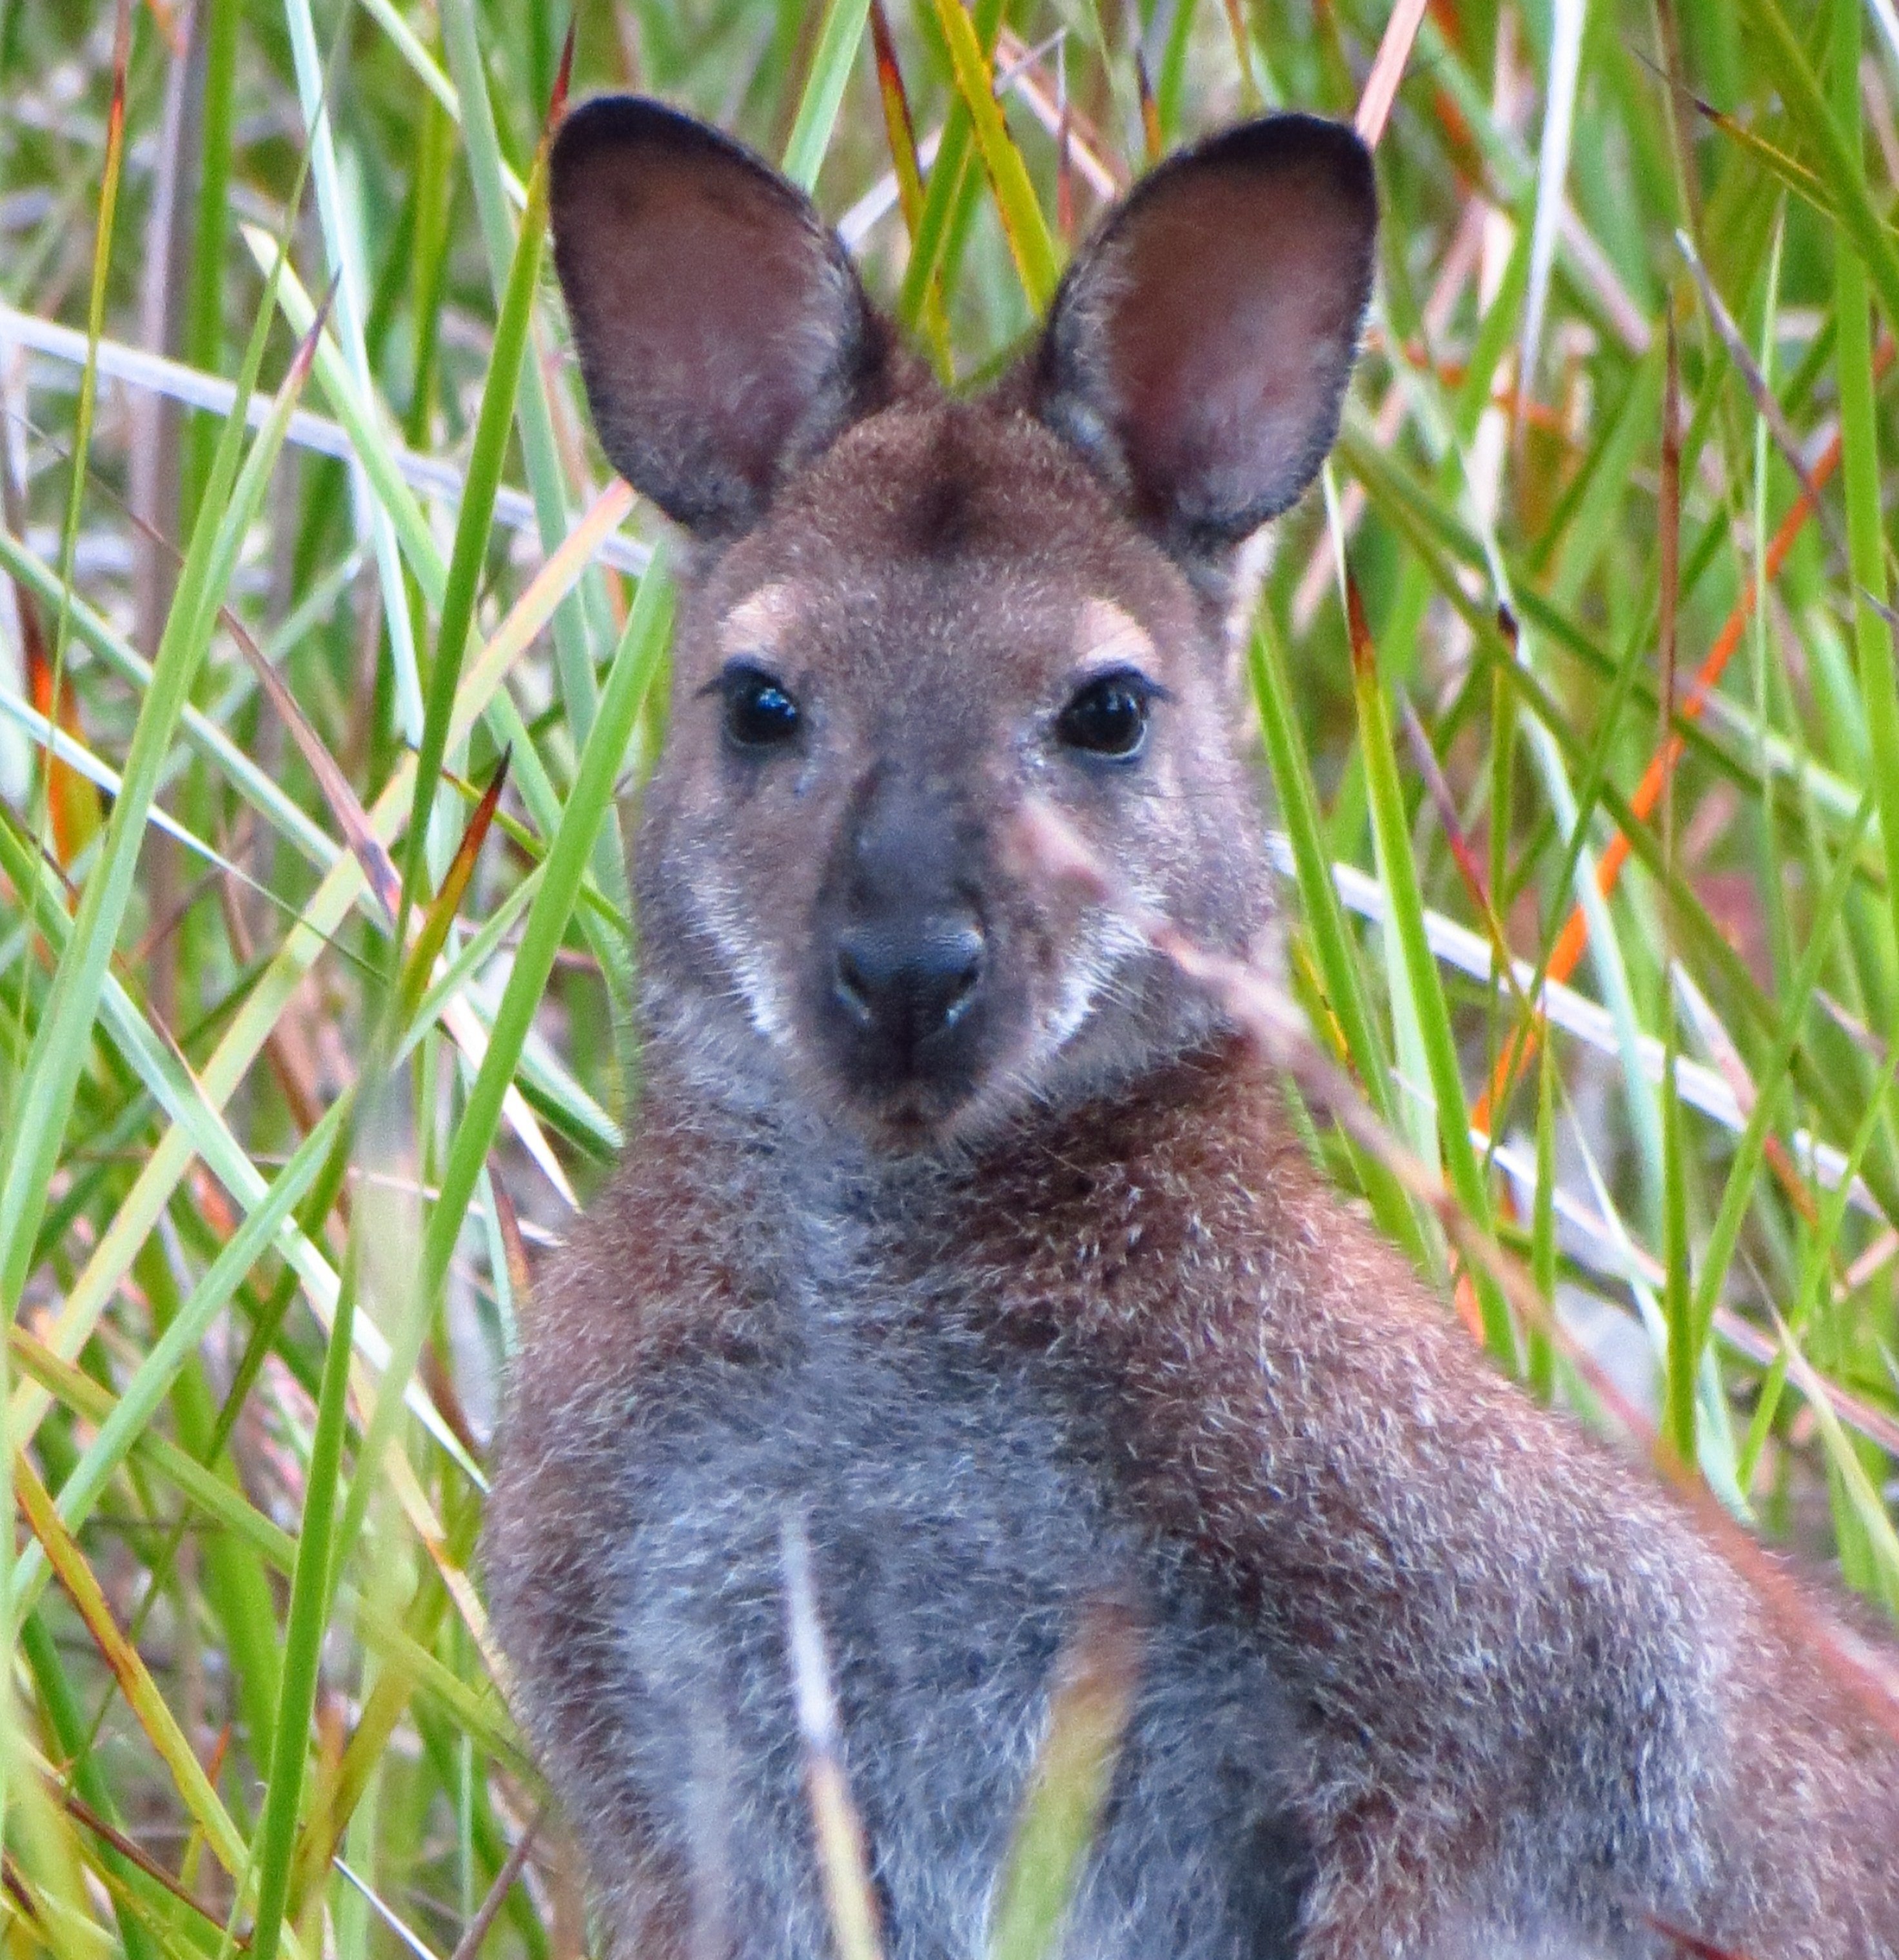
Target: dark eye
{"type": "Point", "coordinates": [758, 713]}
{"type": "Point", "coordinates": [1108, 716]}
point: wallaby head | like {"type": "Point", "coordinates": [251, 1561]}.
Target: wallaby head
{"type": "Point", "coordinates": [904, 614]}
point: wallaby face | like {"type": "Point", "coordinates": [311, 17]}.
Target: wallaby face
{"type": "Point", "coordinates": [908, 613]}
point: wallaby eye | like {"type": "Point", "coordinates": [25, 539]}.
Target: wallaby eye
{"type": "Point", "coordinates": [1108, 716]}
{"type": "Point", "coordinates": [759, 713]}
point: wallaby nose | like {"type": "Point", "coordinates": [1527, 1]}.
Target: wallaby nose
{"type": "Point", "coordinates": [906, 981]}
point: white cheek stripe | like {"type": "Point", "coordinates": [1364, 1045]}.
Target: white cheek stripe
{"type": "Point", "coordinates": [1082, 985]}
{"type": "Point", "coordinates": [758, 987]}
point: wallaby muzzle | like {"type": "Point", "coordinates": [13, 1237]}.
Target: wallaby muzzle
{"type": "Point", "coordinates": [900, 947]}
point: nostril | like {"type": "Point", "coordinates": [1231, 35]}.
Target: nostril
{"type": "Point", "coordinates": [853, 987]}
{"type": "Point", "coordinates": [962, 970]}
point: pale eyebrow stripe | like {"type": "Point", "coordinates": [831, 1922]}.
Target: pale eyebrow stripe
{"type": "Point", "coordinates": [759, 622]}
{"type": "Point", "coordinates": [1108, 637]}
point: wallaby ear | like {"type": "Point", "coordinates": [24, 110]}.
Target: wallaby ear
{"type": "Point", "coordinates": [1197, 351]}
{"type": "Point", "coordinates": [723, 333]}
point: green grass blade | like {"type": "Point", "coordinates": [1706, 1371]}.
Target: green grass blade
{"type": "Point", "coordinates": [309, 1619]}
{"type": "Point", "coordinates": [145, 1392]}
{"type": "Point", "coordinates": [635, 662]}
{"type": "Point", "coordinates": [947, 188]}
{"type": "Point", "coordinates": [1419, 971]}
{"type": "Point", "coordinates": [1682, 1356]}
{"type": "Point", "coordinates": [1542, 1374]}
{"type": "Point", "coordinates": [1773, 1076]}
{"type": "Point", "coordinates": [204, 331]}
{"type": "Point", "coordinates": [51, 1076]}
{"type": "Point", "coordinates": [583, 617]}
{"type": "Point", "coordinates": [472, 524]}
{"type": "Point", "coordinates": [1859, 464]}
{"type": "Point", "coordinates": [1337, 957]}
{"type": "Point", "coordinates": [837, 49]}
{"type": "Point", "coordinates": [1030, 244]}
{"type": "Point", "coordinates": [1068, 1786]}
{"type": "Point", "coordinates": [142, 1696]}
{"type": "Point", "coordinates": [38, 1650]}
{"type": "Point", "coordinates": [343, 248]}
{"type": "Point", "coordinates": [1831, 142]}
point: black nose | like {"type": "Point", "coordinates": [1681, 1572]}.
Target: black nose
{"type": "Point", "coordinates": [906, 981]}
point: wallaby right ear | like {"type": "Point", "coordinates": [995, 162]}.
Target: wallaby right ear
{"type": "Point", "coordinates": [723, 333]}
{"type": "Point", "coordinates": [1198, 352]}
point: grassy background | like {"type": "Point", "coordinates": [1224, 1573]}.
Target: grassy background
{"type": "Point", "coordinates": [299, 1031]}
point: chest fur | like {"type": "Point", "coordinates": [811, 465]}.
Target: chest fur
{"type": "Point", "coordinates": [957, 1538]}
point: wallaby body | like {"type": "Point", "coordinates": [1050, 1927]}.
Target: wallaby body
{"type": "Point", "coordinates": [956, 1540]}
{"type": "Point", "coordinates": [958, 1223]}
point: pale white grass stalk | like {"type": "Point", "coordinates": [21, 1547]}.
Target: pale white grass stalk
{"type": "Point", "coordinates": [428, 474]}
{"type": "Point", "coordinates": [1887, 15]}
{"type": "Point", "coordinates": [842, 1858]}
{"type": "Point", "coordinates": [404, 1933]}
{"type": "Point", "coordinates": [1387, 68]}
{"type": "Point", "coordinates": [1567, 19]}
{"type": "Point", "coordinates": [343, 247]}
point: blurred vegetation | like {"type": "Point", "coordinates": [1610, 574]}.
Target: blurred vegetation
{"type": "Point", "coordinates": [299, 1030]}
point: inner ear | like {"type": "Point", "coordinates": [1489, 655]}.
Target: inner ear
{"type": "Point", "coordinates": [1198, 352]}
{"type": "Point", "coordinates": [723, 333]}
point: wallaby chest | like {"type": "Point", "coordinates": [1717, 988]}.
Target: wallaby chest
{"type": "Point", "coordinates": [957, 1541]}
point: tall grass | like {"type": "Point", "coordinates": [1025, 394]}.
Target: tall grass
{"type": "Point", "coordinates": [329, 644]}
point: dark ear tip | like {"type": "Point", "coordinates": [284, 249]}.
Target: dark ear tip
{"type": "Point", "coordinates": [1288, 139]}
{"type": "Point", "coordinates": [631, 122]}
{"type": "Point", "coordinates": [603, 119]}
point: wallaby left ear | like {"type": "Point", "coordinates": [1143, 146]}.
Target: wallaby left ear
{"type": "Point", "coordinates": [723, 334]}
{"type": "Point", "coordinates": [1198, 352]}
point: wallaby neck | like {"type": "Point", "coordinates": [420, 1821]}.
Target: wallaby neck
{"type": "Point", "coordinates": [1037, 1175]}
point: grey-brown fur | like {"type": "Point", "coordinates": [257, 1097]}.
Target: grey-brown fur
{"type": "Point", "coordinates": [956, 1540]}
{"type": "Point", "coordinates": [1004, 1273]}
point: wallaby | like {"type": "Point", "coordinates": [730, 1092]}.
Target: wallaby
{"type": "Point", "coordinates": [961, 1225]}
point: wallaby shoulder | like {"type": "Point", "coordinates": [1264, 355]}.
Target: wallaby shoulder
{"type": "Point", "coordinates": [1539, 1706]}
{"type": "Point", "coordinates": [1525, 1660]}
